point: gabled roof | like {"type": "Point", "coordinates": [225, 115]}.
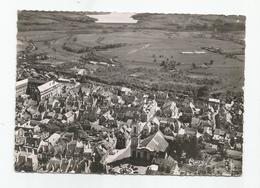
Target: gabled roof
{"type": "Point", "coordinates": [155, 142]}
{"type": "Point", "coordinates": [219, 132]}
{"type": "Point", "coordinates": [155, 120]}
{"type": "Point", "coordinates": [54, 138]}
{"type": "Point", "coordinates": [69, 114]}
{"type": "Point", "coordinates": [167, 104]}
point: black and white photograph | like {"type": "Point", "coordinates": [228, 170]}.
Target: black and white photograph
{"type": "Point", "coordinates": [129, 93]}
{"type": "Point", "coordinates": [132, 93]}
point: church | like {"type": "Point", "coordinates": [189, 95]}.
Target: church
{"type": "Point", "coordinates": [146, 149]}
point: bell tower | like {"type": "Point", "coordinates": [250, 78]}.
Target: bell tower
{"type": "Point", "coordinates": [135, 136]}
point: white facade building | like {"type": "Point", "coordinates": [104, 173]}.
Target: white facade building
{"type": "Point", "coordinates": [49, 89]}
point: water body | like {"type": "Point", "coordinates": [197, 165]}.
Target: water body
{"type": "Point", "coordinates": [114, 17]}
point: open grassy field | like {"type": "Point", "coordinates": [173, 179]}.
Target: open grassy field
{"type": "Point", "coordinates": [154, 39]}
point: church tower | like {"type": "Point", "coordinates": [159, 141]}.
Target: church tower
{"type": "Point", "coordinates": [135, 137]}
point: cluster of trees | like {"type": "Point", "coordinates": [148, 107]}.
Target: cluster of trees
{"type": "Point", "coordinates": [80, 50]}
{"type": "Point", "coordinates": [75, 50]}
{"type": "Point", "coordinates": [197, 27]}
{"type": "Point", "coordinates": [32, 57]}
{"type": "Point", "coordinates": [205, 65]}
{"type": "Point", "coordinates": [222, 26]}
{"type": "Point", "coordinates": [167, 63]}
{"type": "Point", "coordinates": [91, 56]}
{"type": "Point", "coordinates": [108, 46]}
{"type": "Point", "coordinates": [190, 145]}
{"type": "Point", "coordinates": [198, 81]}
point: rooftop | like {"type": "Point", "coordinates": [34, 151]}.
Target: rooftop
{"type": "Point", "coordinates": [47, 85]}
{"type": "Point", "coordinates": [155, 142]}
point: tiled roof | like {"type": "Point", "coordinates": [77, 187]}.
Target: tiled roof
{"type": "Point", "coordinates": [53, 138]}
{"type": "Point", "coordinates": [219, 132]}
{"type": "Point", "coordinates": [155, 142]}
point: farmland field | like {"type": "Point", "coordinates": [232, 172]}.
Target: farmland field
{"type": "Point", "coordinates": [139, 49]}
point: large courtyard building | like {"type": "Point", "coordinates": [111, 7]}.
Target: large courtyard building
{"type": "Point", "coordinates": [49, 89]}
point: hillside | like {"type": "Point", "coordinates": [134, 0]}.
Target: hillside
{"type": "Point", "coordinates": [177, 51]}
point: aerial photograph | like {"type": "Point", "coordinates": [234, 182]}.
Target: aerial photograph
{"type": "Point", "coordinates": [129, 93]}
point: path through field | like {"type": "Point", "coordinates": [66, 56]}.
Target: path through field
{"type": "Point", "coordinates": [136, 50]}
